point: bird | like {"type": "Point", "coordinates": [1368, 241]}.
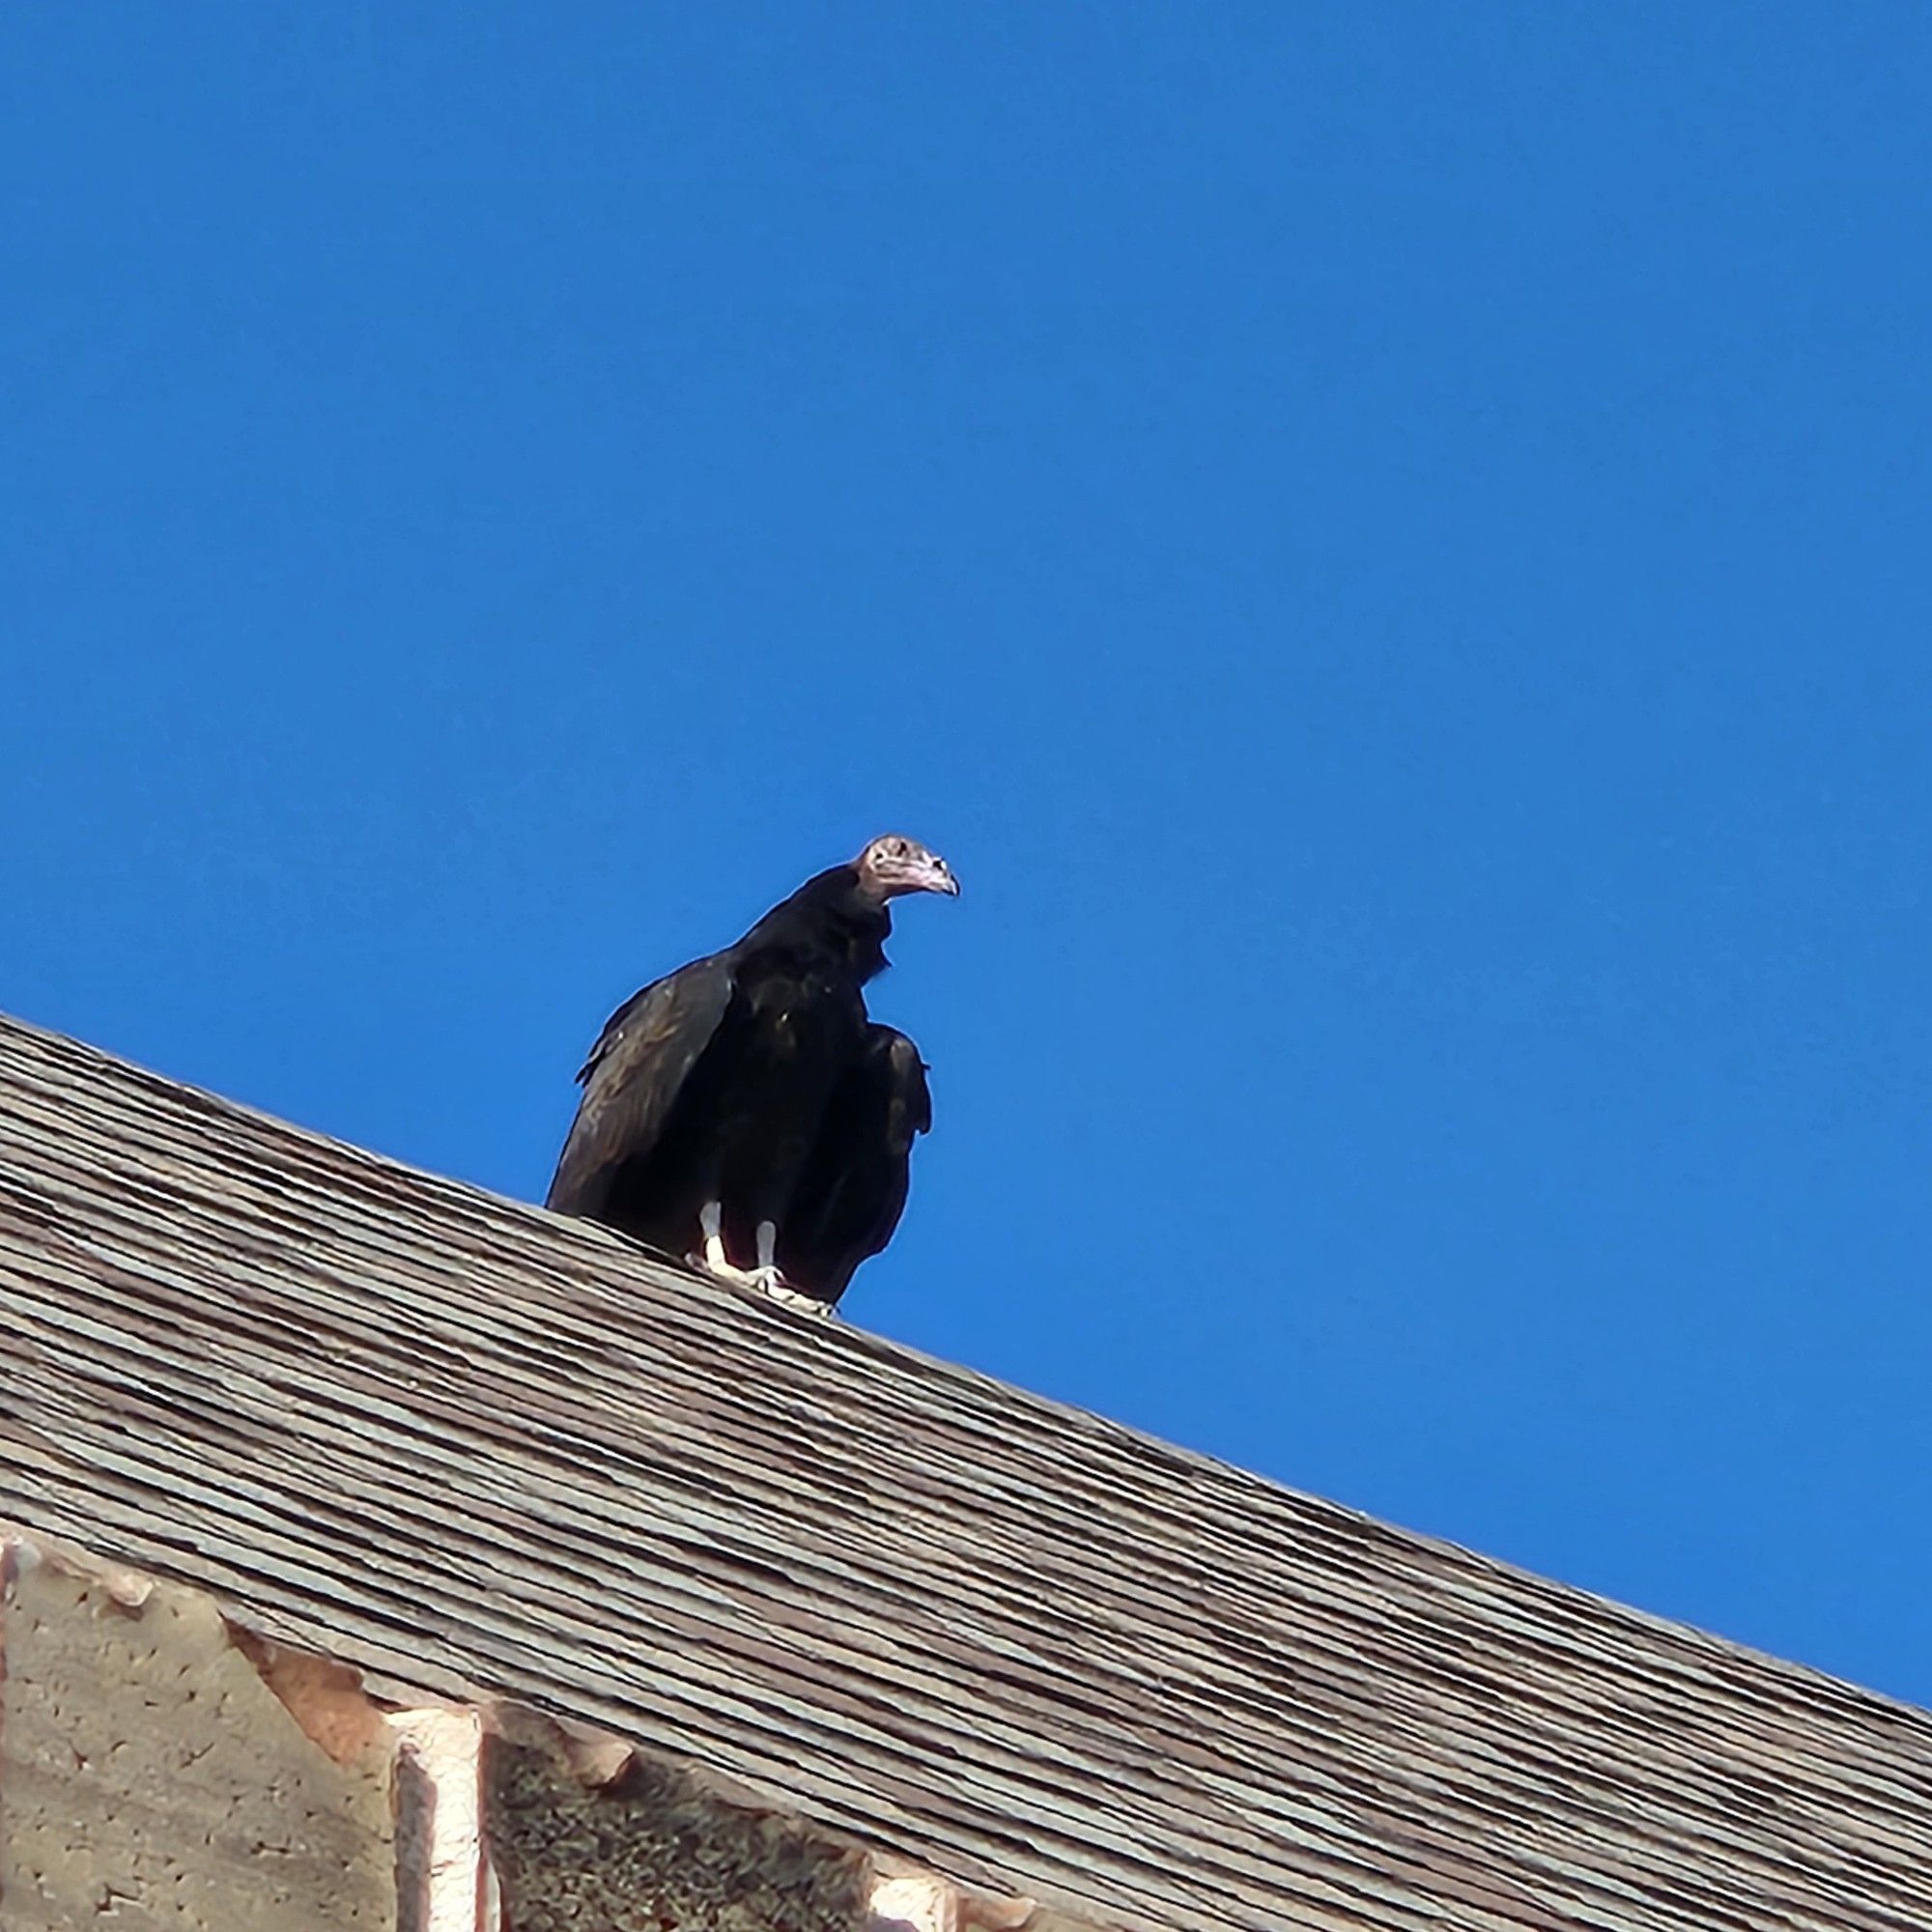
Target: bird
{"type": "Point", "coordinates": [745, 1112]}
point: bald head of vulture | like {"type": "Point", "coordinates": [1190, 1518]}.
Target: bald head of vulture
{"type": "Point", "coordinates": [893, 866]}
{"type": "Point", "coordinates": [747, 1094]}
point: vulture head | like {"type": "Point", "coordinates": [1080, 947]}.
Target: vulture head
{"type": "Point", "coordinates": [893, 865]}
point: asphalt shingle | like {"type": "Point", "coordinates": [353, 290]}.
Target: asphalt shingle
{"type": "Point", "coordinates": [468, 1446]}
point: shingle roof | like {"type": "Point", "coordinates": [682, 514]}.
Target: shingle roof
{"type": "Point", "coordinates": [465, 1445]}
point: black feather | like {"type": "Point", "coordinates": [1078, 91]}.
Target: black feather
{"type": "Point", "coordinates": [753, 1078]}
{"type": "Point", "coordinates": [853, 1191]}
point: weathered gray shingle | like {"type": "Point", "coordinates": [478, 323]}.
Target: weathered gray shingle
{"type": "Point", "coordinates": [464, 1444]}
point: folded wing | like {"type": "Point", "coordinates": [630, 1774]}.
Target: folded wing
{"type": "Point", "coordinates": [853, 1188]}
{"type": "Point", "coordinates": [621, 1163]}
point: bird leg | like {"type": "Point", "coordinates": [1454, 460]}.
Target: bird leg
{"type": "Point", "coordinates": [711, 1219]}
{"type": "Point", "coordinates": [766, 1276]}
{"type": "Point", "coordinates": [713, 1259]}
{"type": "Point", "coordinates": [769, 1278]}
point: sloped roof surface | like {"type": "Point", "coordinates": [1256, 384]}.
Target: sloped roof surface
{"type": "Point", "coordinates": [464, 1445]}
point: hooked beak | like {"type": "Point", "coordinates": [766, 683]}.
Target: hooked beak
{"type": "Point", "coordinates": [927, 872]}
{"type": "Point", "coordinates": [890, 867]}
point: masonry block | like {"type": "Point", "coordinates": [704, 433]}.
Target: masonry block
{"type": "Point", "coordinates": [150, 1780]}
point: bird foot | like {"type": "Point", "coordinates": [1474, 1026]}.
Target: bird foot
{"type": "Point", "coordinates": [768, 1281]}
{"type": "Point", "coordinates": [721, 1269]}
{"type": "Point", "coordinates": [785, 1296]}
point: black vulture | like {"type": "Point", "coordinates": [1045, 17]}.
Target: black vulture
{"type": "Point", "coordinates": [748, 1089]}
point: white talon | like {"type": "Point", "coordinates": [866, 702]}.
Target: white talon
{"type": "Point", "coordinates": [796, 1298]}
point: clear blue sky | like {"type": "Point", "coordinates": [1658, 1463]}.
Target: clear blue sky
{"type": "Point", "coordinates": [1387, 543]}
